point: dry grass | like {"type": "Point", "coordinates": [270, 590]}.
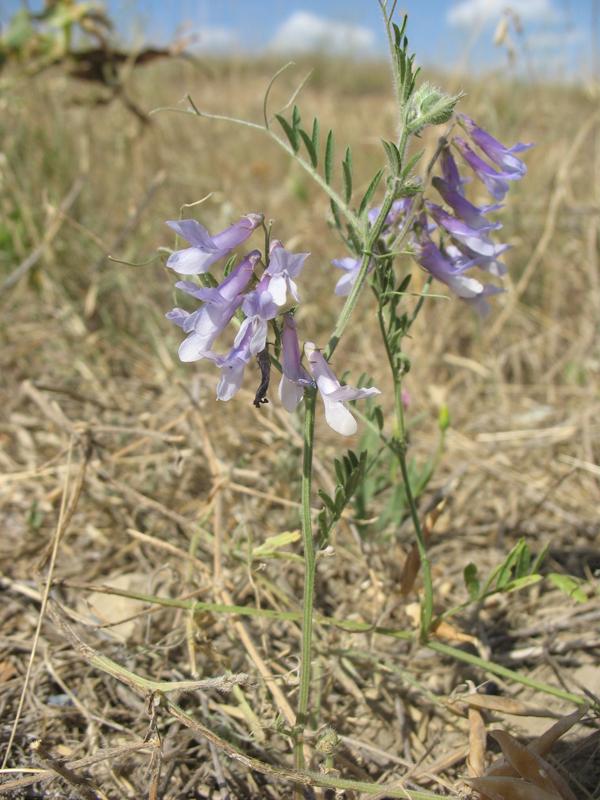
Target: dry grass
{"type": "Point", "coordinates": [119, 468]}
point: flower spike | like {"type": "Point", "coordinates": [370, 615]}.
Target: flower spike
{"type": "Point", "coordinates": [219, 305]}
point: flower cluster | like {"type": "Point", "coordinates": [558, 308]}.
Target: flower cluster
{"type": "Point", "coordinates": [255, 301]}
{"type": "Point", "coordinates": [462, 232]}
{"type": "Point", "coordinates": [464, 228]}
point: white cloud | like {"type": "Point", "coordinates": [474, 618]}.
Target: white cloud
{"type": "Point", "coordinates": [214, 39]}
{"type": "Point", "coordinates": [304, 32]}
{"type": "Point", "coordinates": [467, 13]}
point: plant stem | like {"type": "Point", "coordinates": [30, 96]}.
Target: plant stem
{"type": "Point", "coordinates": [352, 298]}
{"type": "Point", "coordinates": [320, 181]}
{"type": "Point", "coordinates": [300, 778]}
{"type": "Point", "coordinates": [310, 396]}
{"type": "Point", "coordinates": [399, 447]}
{"type": "Point", "coordinates": [402, 444]}
{"type": "Point", "coordinates": [349, 625]}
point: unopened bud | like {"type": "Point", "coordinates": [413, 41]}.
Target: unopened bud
{"type": "Point", "coordinates": [327, 742]}
{"type": "Point", "coordinates": [431, 106]}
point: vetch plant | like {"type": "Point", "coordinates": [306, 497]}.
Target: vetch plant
{"type": "Point", "coordinates": [419, 219]}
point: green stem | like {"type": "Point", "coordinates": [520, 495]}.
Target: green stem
{"type": "Point", "coordinates": [352, 218]}
{"type": "Point", "coordinates": [427, 602]}
{"type": "Point", "coordinates": [352, 298]}
{"type": "Point", "coordinates": [399, 448]}
{"type": "Point", "coordinates": [298, 777]}
{"type": "Point", "coordinates": [349, 625]}
{"type": "Point", "coordinates": [310, 397]}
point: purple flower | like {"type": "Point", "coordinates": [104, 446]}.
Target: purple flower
{"type": "Point", "coordinates": [474, 238]}
{"type": "Point", "coordinates": [232, 366]}
{"type": "Point", "coordinates": [479, 302]}
{"type": "Point", "coordinates": [473, 215]}
{"type": "Point", "coordinates": [352, 266]}
{"type": "Point", "coordinates": [258, 306]}
{"type": "Point", "coordinates": [450, 171]}
{"type": "Point", "coordinates": [489, 264]}
{"type": "Point", "coordinates": [448, 267]}
{"type": "Point", "coordinates": [283, 268]}
{"type": "Point", "coordinates": [398, 209]}
{"type": "Point", "coordinates": [219, 306]}
{"type": "Point", "coordinates": [334, 395]}
{"type": "Point", "coordinates": [294, 377]}
{"type": "Point", "coordinates": [511, 166]}
{"type": "Point", "coordinates": [206, 249]}
{"type": "Point", "coordinates": [495, 182]}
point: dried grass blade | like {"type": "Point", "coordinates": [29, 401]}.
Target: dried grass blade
{"type": "Point", "coordinates": [477, 739]}
{"type": "Point", "coordinates": [544, 743]}
{"type": "Point", "coordinates": [529, 765]}
{"type": "Point", "coordinates": [495, 788]}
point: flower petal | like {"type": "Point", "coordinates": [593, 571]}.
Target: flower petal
{"type": "Point", "coordinates": [293, 288]}
{"type": "Point", "coordinates": [194, 233]}
{"type": "Point", "coordinates": [281, 260]}
{"type": "Point", "coordinates": [495, 182]}
{"type": "Point", "coordinates": [242, 332]}
{"type": "Point", "coordinates": [191, 261]}
{"type": "Point", "coordinates": [278, 289]}
{"type": "Point", "coordinates": [290, 353]}
{"type": "Point", "coordinates": [177, 316]}
{"type": "Point", "coordinates": [290, 393]}
{"type": "Point", "coordinates": [193, 347]}
{"type": "Point", "coordinates": [463, 286]}
{"type": "Point", "coordinates": [495, 150]}
{"type": "Point", "coordinates": [239, 277]}
{"type": "Point", "coordinates": [259, 336]}
{"type": "Point", "coordinates": [345, 393]}
{"type": "Point", "coordinates": [338, 417]}
{"type": "Point", "coordinates": [232, 375]}
{"type": "Point", "coordinates": [237, 233]}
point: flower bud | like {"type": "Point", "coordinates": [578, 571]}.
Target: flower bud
{"type": "Point", "coordinates": [327, 742]}
{"type": "Point", "coordinates": [430, 106]}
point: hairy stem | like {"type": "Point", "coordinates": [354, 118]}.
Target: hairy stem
{"type": "Point", "coordinates": [310, 397]}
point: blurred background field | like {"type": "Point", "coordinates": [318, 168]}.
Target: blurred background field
{"type": "Point", "coordinates": [165, 492]}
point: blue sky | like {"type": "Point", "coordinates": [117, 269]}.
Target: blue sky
{"type": "Point", "coordinates": [556, 36]}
